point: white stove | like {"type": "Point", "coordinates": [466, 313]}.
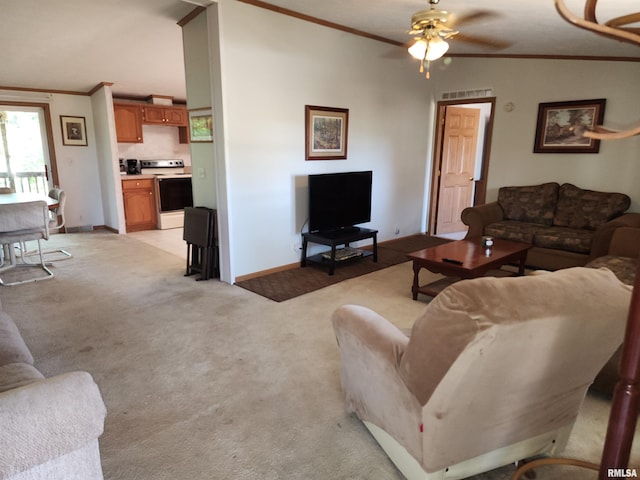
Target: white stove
{"type": "Point", "coordinates": [163, 167]}
{"type": "Point", "coordinates": [173, 190]}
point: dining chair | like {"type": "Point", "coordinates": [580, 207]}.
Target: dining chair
{"type": "Point", "coordinates": [57, 219]}
{"type": "Point", "coordinates": [56, 222]}
{"type": "Point", "coordinates": [4, 252]}
{"type": "Point", "coordinates": [21, 222]}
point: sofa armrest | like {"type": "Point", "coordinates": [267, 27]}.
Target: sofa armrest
{"type": "Point", "coordinates": [480, 216]}
{"type": "Point", "coordinates": [604, 233]}
{"type": "Point", "coordinates": [47, 419]}
{"type": "Point", "coordinates": [630, 219]}
{"type": "Point", "coordinates": [370, 352]}
{"type": "Point", "coordinates": [374, 332]}
{"type": "Point", "coordinates": [625, 242]}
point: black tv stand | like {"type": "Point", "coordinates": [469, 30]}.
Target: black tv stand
{"type": "Point", "coordinates": [337, 233]}
{"type": "Point", "coordinates": [338, 237]}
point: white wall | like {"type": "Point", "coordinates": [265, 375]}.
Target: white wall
{"type": "Point", "coordinates": [274, 65]}
{"type": "Point", "coordinates": [111, 189]}
{"type": "Point", "coordinates": [78, 166]}
{"type": "Point", "coordinates": [195, 37]}
{"type": "Point", "coordinates": [485, 116]}
{"type": "Point", "coordinates": [527, 83]}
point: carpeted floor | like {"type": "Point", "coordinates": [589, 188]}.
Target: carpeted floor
{"type": "Point", "coordinates": [287, 284]}
{"type": "Point", "coordinates": [209, 381]}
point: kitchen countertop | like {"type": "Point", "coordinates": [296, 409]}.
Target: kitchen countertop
{"type": "Point", "coordinates": [142, 176]}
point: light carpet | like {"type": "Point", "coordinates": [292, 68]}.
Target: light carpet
{"type": "Point", "coordinates": [204, 380]}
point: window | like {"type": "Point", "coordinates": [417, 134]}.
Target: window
{"type": "Point", "coordinates": [24, 149]}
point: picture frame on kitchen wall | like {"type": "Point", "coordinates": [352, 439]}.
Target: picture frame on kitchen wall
{"type": "Point", "coordinates": [200, 125]}
{"type": "Point", "coordinates": [74, 130]}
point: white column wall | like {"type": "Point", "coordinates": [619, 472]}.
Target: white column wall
{"type": "Point", "coordinates": [272, 66]}
{"type": "Point", "coordinates": [78, 166]}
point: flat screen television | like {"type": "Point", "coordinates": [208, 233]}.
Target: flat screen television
{"type": "Point", "coordinates": [338, 201]}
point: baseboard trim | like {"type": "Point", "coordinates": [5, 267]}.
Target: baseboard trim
{"type": "Point", "coordinates": [262, 273]}
{"type": "Point", "coordinates": [290, 266]}
{"type": "Point", "coordinates": [79, 228]}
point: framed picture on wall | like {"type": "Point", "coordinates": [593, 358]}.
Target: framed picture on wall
{"type": "Point", "coordinates": [326, 131]}
{"type": "Point", "coordinates": [201, 125]}
{"type": "Point", "coordinates": [561, 126]}
{"type": "Point", "coordinates": [74, 130]}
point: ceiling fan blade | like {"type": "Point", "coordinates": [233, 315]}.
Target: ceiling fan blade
{"type": "Point", "coordinates": [473, 16]}
{"type": "Point", "coordinates": [483, 41]}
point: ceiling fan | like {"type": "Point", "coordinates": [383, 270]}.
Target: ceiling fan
{"type": "Point", "coordinates": [432, 27]}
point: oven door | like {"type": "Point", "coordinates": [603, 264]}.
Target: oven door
{"type": "Point", "coordinates": [174, 193]}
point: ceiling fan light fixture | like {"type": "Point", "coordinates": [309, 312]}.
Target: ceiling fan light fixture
{"type": "Point", "coordinates": [428, 48]}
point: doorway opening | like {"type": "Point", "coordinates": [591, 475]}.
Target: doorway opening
{"type": "Point", "coordinates": [27, 161]}
{"type": "Point", "coordinates": [460, 162]}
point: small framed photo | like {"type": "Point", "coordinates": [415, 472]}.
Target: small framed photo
{"type": "Point", "coordinates": [326, 131]}
{"type": "Point", "coordinates": [74, 131]}
{"type": "Point", "coordinates": [561, 126]}
{"type": "Point", "coordinates": [201, 125]}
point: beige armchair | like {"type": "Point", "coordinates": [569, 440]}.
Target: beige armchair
{"type": "Point", "coordinates": [495, 370]}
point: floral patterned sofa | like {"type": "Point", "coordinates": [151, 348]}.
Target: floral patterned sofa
{"type": "Point", "coordinates": [568, 226]}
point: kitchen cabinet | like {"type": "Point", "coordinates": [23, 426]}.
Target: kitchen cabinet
{"type": "Point", "coordinates": [128, 118]}
{"type": "Point", "coordinates": [159, 115]}
{"type": "Point", "coordinates": [139, 198]}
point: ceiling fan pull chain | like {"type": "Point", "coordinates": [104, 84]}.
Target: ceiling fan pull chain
{"type": "Point", "coordinates": [424, 68]}
{"type": "Point", "coordinates": [425, 62]}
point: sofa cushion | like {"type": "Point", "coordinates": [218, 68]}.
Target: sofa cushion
{"type": "Point", "coordinates": [513, 230]}
{"type": "Point", "coordinates": [580, 208]}
{"type": "Point", "coordinates": [532, 204]}
{"type": "Point", "coordinates": [561, 238]}
{"type": "Point", "coordinates": [14, 375]}
{"type": "Point", "coordinates": [12, 346]}
{"type": "Point", "coordinates": [623, 267]}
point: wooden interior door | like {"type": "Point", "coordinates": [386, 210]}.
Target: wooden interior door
{"type": "Point", "coordinates": [455, 188]}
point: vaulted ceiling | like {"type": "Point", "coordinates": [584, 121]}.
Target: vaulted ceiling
{"type": "Point", "coordinates": [72, 45]}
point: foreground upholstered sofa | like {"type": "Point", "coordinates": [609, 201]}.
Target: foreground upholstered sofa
{"type": "Point", "coordinates": [568, 226]}
{"type": "Point", "coordinates": [49, 427]}
{"type": "Point", "coordinates": [622, 259]}
{"type": "Point", "coordinates": [495, 369]}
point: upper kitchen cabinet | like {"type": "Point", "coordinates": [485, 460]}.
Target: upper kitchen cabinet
{"type": "Point", "coordinates": [128, 118]}
{"type": "Point", "coordinates": [160, 115]}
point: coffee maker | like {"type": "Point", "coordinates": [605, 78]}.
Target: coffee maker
{"type": "Point", "coordinates": [133, 166]}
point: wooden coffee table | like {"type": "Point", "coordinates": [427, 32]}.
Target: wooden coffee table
{"type": "Point", "coordinates": [462, 259]}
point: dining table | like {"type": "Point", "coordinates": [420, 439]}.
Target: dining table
{"type": "Point", "coordinates": [14, 199]}
{"type": "Point", "coordinates": [24, 197]}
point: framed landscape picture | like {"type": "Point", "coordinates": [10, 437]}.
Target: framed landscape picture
{"type": "Point", "coordinates": [201, 125]}
{"type": "Point", "coordinates": [74, 130]}
{"type": "Point", "coordinates": [326, 130]}
{"type": "Point", "coordinates": [561, 126]}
